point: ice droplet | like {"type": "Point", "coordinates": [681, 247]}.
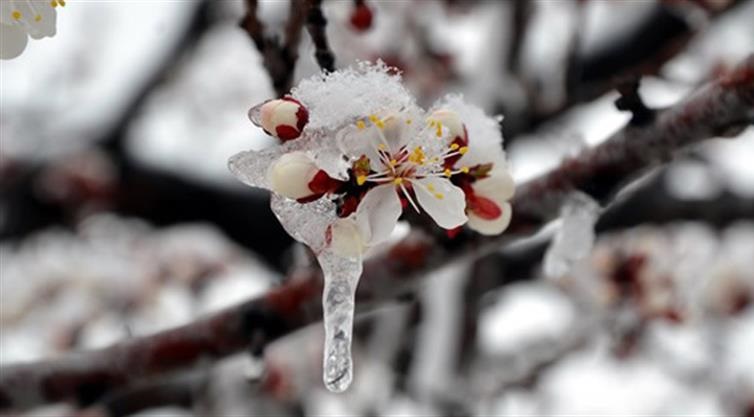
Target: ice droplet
{"type": "Point", "coordinates": [575, 238]}
{"type": "Point", "coordinates": [255, 114]}
{"type": "Point", "coordinates": [341, 278]}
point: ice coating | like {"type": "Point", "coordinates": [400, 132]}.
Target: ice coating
{"type": "Point", "coordinates": [575, 238]}
{"type": "Point", "coordinates": [338, 303]}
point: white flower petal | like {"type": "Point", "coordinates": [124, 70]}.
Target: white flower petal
{"type": "Point", "coordinates": [13, 41]}
{"type": "Point", "coordinates": [41, 19]}
{"type": "Point", "coordinates": [492, 227]}
{"type": "Point", "coordinates": [451, 122]}
{"type": "Point", "coordinates": [291, 174]}
{"type": "Point", "coordinates": [442, 200]}
{"type": "Point", "coordinates": [485, 137]}
{"type": "Point", "coordinates": [354, 142]}
{"type": "Point", "coordinates": [394, 132]}
{"type": "Point", "coordinates": [498, 187]}
{"type": "Point", "coordinates": [346, 238]}
{"type": "Point", "coordinates": [378, 213]}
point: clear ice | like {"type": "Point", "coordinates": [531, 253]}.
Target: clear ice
{"type": "Point", "coordinates": [308, 223]}
{"type": "Point", "coordinates": [575, 238]}
{"type": "Point", "coordinates": [338, 302]}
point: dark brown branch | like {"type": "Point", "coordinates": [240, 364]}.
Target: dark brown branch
{"type": "Point", "coordinates": [719, 107]}
{"type": "Point", "coordinates": [279, 58]}
{"type": "Point", "coordinates": [316, 25]}
{"type": "Point", "coordinates": [522, 11]}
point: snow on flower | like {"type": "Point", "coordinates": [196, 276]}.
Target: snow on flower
{"type": "Point", "coordinates": [20, 19]}
{"type": "Point", "coordinates": [356, 151]}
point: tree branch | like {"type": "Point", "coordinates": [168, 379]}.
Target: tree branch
{"type": "Point", "coordinates": [279, 58]}
{"type": "Point", "coordinates": [316, 25]}
{"type": "Point", "coordinates": [718, 108]}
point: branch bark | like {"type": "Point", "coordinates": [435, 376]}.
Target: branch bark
{"type": "Point", "coordinates": [279, 58]}
{"type": "Point", "coordinates": [722, 107]}
{"type": "Point", "coordinates": [316, 25]}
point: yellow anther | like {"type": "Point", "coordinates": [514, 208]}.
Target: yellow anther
{"type": "Point", "coordinates": [439, 196]}
{"type": "Point", "coordinates": [54, 3]}
{"type": "Point", "coordinates": [431, 188]}
{"type": "Point", "coordinates": [37, 18]}
{"type": "Point", "coordinates": [361, 125]}
{"type": "Point", "coordinates": [361, 179]}
{"type": "Point", "coordinates": [377, 122]}
{"type": "Point", "coordinates": [409, 121]}
{"type": "Point", "coordinates": [463, 150]}
{"type": "Point", "coordinates": [438, 132]}
{"type": "Point", "coordinates": [382, 147]}
{"type": "Point", "coordinates": [62, 3]}
{"type": "Point", "coordinates": [465, 170]}
{"type": "Point", "coordinates": [393, 162]}
{"type": "Point", "coordinates": [398, 181]}
{"type": "Point", "coordinates": [16, 15]}
{"type": "Point", "coordinates": [435, 159]}
{"type": "Point", "coordinates": [417, 156]}
{"type": "Point", "coordinates": [448, 173]}
{"type": "Point", "coordinates": [454, 146]}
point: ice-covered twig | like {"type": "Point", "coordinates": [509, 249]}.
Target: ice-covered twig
{"type": "Point", "coordinates": [718, 108]}
{"type": "Point", "coordinates": [316, 25]}
{"type": "Point", "coordinates": [279, 57]}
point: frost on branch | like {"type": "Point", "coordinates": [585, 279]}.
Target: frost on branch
{"type": "Point", "coordinates": [356, 151]}
{"type": "Point", "coordinates": [575, 238]}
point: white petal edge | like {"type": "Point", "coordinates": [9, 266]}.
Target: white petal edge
{"type": "Point", "coordinates": [13, 41]}
{"type": "Point", "coordinates": [378, 213]}
{"type": "Point", "coordinates": [498, 187]}
{"type": "Point", "coordinates": [346, 239]}
{"type": "Point", "coordinates": [448, 211]}
{"type": "Point", "coordinates": [492, 227]}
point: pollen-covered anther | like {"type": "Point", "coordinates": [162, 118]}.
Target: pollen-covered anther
{"type": "Point", "coordinates": [283, 118]}
{"type": "Point", "coordinates": [16, 15]}
{"type": "Point", "coordinates": [361, 179]}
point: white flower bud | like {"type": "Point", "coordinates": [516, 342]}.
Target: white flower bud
{"type": "Point", "coordinates": [291, 174]}
{"type": "Point", "coordinates": [498, 188]}
{"type": "Point", "coordinates": [283, 118]}
{"type": "Point", "coordinates": [346, 239]}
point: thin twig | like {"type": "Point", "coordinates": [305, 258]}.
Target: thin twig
{"type": "Point", "coordinates": [719, 107]}
{"type": "Point", "coordinates": [279, 58]}
{"type": "Point", "coordinates": [316, 25]}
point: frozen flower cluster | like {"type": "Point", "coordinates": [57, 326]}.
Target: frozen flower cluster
{"type": "Point", "coordinates": [356, 151]}
{"type": "Point", "coordinates": [20, 19]}
{"type": "Point", "coordinates": [357, 147]}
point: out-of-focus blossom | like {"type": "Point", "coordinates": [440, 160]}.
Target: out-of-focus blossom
{"type": "Point", "coordinates": [20, 19]}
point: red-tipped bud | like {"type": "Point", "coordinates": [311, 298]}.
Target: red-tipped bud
{"type": "Point", "coordinates": [361, 17]}
{"type": "Point", "coordinates": [283, 118]}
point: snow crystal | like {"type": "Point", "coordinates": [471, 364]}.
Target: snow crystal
{"type": "Point", "coordinates": [575, 238]}
{"type": "Point", "coordinates": [341, 97]}
{"type": "Point", "coordinates": [485, 138]}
